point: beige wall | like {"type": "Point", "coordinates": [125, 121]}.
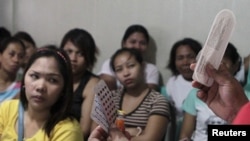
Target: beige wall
{"type": "Point", "coordinates": [166, 20]}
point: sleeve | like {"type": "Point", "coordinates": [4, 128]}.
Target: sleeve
{"type": "Point", "coordinates": [152, 74]}
{"type": "Point", "coordinates": [106, 69]}
{"type": "Point", "coordinates": [7, 112]}
{"type": "Point", "coordinates": [189, 103]}
{"type": "Point", "coordinates": [1, 118]}
{"type": "Point", "coordinates": [68, 130]}
{"type": "Point", "coordinates": [243, 115]}
{"type": "Point", "coordinates": [160, 106]}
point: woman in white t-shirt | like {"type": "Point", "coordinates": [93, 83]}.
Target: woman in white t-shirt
{"type": "Point", "coordinates": [136, 36]}
{"type": "Point", "coordinates": [182, 54]}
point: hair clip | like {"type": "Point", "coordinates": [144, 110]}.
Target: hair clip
{"type": "Point", "coordinates": [57, 52]}
{"type": "Point", "coordinates": [62, 56]}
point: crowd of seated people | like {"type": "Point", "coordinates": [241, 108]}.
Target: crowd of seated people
{"type": "Point", "coordinates": [50, 88]}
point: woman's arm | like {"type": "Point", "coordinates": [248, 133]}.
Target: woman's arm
{"type": "Point", "coordinates": [154, 130]}
{"type": "Point", "coordinates": [188, 126]}
{"type": "Point", "coordinates": [88, 95]}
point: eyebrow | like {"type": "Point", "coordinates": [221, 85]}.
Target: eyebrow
{"type": "Point", "coordinates": [51, 74]}
{"type": "Point", "coordinates": [70, 49]}
{"type": "Point", "coordinates": [126, 62]}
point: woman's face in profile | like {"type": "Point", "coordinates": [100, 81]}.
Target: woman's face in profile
{"type": "Point", "coordinates": [43, 83]}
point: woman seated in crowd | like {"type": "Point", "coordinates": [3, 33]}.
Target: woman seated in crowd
{"type": "Point", "coordinates": [30, 48]}
{"type": "Point", "coordinates": [197, 114]}
{"type": "Point", "coordinates": [43, 111]}
{"type": "Point", "coordinates": [182, 54]}
{"type": "Point", "coordinates": [12, 51]}
{"type": "Point", "coordinates": [81, 49]}
{"type": "Point", "coordinates": [135, 36]}
{"type": "Point", "coordinates": [146, 110]}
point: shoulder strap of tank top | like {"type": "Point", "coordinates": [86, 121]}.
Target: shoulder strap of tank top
{"type": "Point", "coordinates": [20, 122]}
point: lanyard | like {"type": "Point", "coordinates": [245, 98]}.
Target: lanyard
{"type": "Point", "coordinates": [20, 122]}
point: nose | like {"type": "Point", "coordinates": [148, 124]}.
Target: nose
{"type": "Point", "coordinates": [140, 46]}
{"type": "Point", "coordinates": [126, 72]}
{"type": "Point", "coordinates": [137, 45]}
{"type": "Point", "coordinates": [41, 86]}
{"type": "Point", "coordinates": [186, 61]}
{"type": "Point", "coordinates": [16, 58]}
{"type": "Point", "coordinates": [72, 56]}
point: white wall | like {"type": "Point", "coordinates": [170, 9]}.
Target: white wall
{"type": "Point", "coordinates": [6, 14]}
{"type": "Point", "coordinates": [166, 20]}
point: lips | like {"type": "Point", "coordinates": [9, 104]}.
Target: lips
{"type": "Point", "coordinates": [128, 81]}
{"type": "Point", "coordinates": [185, 69]}
{"type": "Point", "coordinates": [37, 98]}
{"type": "Point", "coordinates": [14, 67]}
{"type": "Point", "coordinates": [73, 65]}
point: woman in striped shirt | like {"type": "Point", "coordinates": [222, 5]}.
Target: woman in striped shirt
{"type": "Point", "coordinates": [147, 112]}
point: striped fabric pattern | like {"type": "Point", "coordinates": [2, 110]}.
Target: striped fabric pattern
{"type": "Point", "coordinates": [153, 104]}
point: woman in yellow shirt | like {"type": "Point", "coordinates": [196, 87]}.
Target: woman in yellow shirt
{"type": "Point", "coordinates": [42, 113]}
